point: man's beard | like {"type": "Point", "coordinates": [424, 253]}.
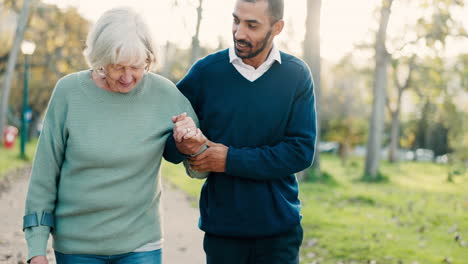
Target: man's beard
{"type": "Point", "coordinates": [255, 52]}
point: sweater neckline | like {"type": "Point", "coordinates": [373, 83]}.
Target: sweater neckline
{"type": "Point", "coordinates": [94, 91]}
{"type": "Point", "coordinates": [259, 79]}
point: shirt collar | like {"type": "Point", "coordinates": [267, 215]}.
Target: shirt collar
{"type": "Point", "coordinates": [274, 55]}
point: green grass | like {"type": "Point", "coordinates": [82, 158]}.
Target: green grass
{"type": "Point", "coordinates": [9, 158]}
{"type": "Point", "coordinates": [414, 217]}
{"type": "Point", "coordinates": [175, 174]}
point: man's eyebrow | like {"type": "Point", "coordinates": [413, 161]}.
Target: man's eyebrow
{"type": "Point", "coordinates": [248, 21]}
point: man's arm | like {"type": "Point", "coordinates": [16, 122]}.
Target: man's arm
{"type": "Point", "coordinates": [171, 153]}
{"type": "Point", "coordinates": [293, 154]}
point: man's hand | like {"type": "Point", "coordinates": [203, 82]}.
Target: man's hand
{"type": "Point", "coordinates": [188, 138]}
{"type": "Point", "coordinates": [39, 260]}
{"type": "Point", "coordinates": [213, 159]}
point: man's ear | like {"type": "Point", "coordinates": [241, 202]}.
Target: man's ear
{"type": "Point", "coordinates": [278, 27]}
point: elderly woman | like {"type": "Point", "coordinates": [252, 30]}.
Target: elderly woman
{"type": "Point", "coordinates": [95, 182]}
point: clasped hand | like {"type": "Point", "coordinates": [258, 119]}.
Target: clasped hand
{"type": "Point", "coordinates": [189, 140]}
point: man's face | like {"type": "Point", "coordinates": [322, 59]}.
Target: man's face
{"type": "Point", "coordinates": [251, 28]}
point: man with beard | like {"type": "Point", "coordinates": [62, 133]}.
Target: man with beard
{"type": "Point", "coordinates": [257, 104]}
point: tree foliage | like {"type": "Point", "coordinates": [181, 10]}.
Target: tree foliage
{"type": "Point", "coordinates": [60, 39]}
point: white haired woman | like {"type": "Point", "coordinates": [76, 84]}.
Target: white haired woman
{"type": "Point", "coordinates": [95, 182]}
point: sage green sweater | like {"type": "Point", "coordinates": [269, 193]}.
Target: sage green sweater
{"type": "Point", "coordinates": [97, 165]}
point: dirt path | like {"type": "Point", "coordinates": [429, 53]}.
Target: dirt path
{"type": "Point", "coordinates": [183, 239]}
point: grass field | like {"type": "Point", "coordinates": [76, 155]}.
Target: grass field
{"type": "Point", "coordinates": [417, 216]}
{"type": "Point", "coordinates": [9, 158]}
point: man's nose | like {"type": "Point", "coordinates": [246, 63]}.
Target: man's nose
{"type": "Point", "coordinates": [240, 33]}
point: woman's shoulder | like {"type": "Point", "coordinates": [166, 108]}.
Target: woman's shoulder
{"type": "Point", "coordinates": [160, 83]}
{"type": "Point", "coordinates": [67, 84]}
{"type": "Point", "coordinates": [161, 87]}
{"type": "Point", "coordinates": [156, 78]}
{"type": "Point", "coordinates": [72, 78]}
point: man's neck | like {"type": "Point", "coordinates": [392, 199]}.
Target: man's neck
{"type": "Point", "coordinates": [260, 58]}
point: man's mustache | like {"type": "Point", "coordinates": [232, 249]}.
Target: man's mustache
{"type": "Point", "coordinates": [244, 42]}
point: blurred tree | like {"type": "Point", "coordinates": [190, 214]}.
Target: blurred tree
{"type": "Point", "coordinates": [458, 136]}
{"type": "Point", "coordinates": [429, 31]}
{"type": "Point", "coordinates": [429, 34]}
{"type": "Point", "coordinates": [395, 107]}
{"type": "Point", "coordinates": [195, 39]}
{"type": "Point", "coordinates": [196, 50]}
{"type": "Point", "coordinates": [441, 123]}
{"type": "Point", "coordinates": [312, 58]}
{"type": "Point", "coordinates": [168, 59]}
{"type": "Point", "coordinates": [176, 62]}
{"type": "Point", "coordinates": [59, 36]}
{"type": "Point", "coordinates": [13, 54]}
{"type": "Point", "coordinates": [461, 69]}
{"type": "Point", "coordinates": [374, 143]}
{"type": "Point", "coordinates": [344, 115]}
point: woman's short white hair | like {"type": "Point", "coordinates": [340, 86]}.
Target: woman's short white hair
{"type": "Point", "coordinates": [119, 36]}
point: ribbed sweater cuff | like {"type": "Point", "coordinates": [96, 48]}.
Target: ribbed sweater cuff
{"type": "Point", "coordinates": [37, 243]}
{"type": "Point", "coordinates": [233, 160]}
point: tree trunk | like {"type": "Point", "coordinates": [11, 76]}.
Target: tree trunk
{"type": "Point", "coordinates": [395, 129]}
{"type": "Point", "coordinates": [424, 127]}
{"type": "Point", "coordinates": [374, 143]}
{"type": "Point", "coordinates": [312, 58]}
{"type": "Point", "coordinates": [195, 55]}
{"type": "Point", "coordinates": [394, 137]}
{"type": "Point", "coordinates": [20, 28]}
{"type": "Point", "coordinates": [169, 53]}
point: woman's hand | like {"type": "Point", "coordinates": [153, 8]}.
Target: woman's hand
{"type": "Point", "coordinates": [184, 127]}
{"type": "Point", "coordinates": [39, 260]}
{"type": "Point", "coordinates": [189, 139]}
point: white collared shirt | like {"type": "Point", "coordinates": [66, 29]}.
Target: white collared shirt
{"type": "Point", "coordinates": [249, 72]}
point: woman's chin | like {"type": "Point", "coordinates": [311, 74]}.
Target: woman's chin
{"type": "Point", "coordinates": [125, 88]}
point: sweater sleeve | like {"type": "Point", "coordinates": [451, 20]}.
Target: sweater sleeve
{"type": "Point", "coordinates": [189, 86]}
{"type": "Point", "coordinates": [41, 196]}
{"type": "Point", "coordinates": [192, 173]}
{"type": "Point", "coordinates": [291, 155]}
{"type": "Point", "coordinates": [171, 153]}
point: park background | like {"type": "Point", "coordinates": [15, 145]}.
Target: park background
{"type": "Point", "coordinates": [389, 182]}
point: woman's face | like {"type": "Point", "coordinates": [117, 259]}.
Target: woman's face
{"type": "Point", "coordinates": [122, 78]}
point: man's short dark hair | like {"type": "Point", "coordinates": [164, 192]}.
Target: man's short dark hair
{"type": "Point", "coordinates": [275, 8]}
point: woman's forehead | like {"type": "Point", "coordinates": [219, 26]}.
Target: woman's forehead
{"type": "Point", "coordinates": [129, 63]}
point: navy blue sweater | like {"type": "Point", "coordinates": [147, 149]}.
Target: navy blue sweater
{"type": "Point", "coordinates": [269, 126]}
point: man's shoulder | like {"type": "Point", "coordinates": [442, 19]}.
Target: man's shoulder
{"type": "Point", "coordinates": [213, 60]}
{"type": "Point", "coordinates": [289, 60]}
